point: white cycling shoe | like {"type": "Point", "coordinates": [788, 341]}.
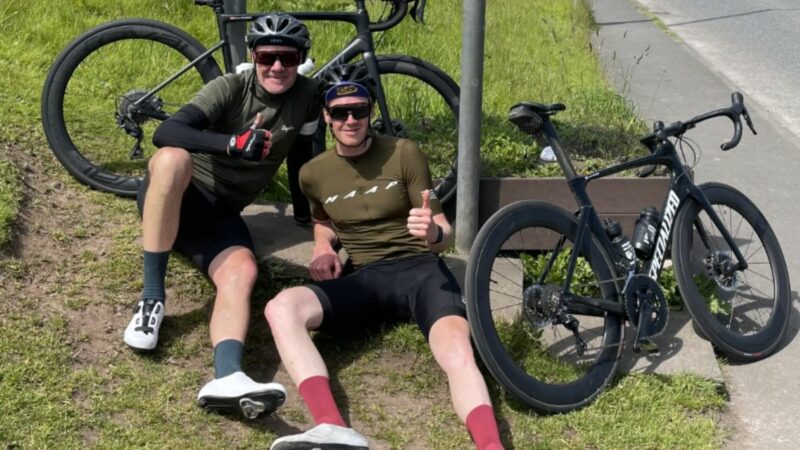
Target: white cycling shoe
{"type": "Point", "coordinates": [141, 333]}
{"type": "Point", "coordinates": [323, 437]}
{"type": "Point", "coordinates": [239, 393]}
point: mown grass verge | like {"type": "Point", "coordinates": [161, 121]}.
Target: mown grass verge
{"type": "Point", "coordinates": [67, 382]}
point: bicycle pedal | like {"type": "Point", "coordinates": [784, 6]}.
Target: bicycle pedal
{"type": "Point", "coordinates": [251, 409]}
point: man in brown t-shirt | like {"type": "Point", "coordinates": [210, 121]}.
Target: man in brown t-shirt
{"type": "Point", "coordinates": [373, 195]}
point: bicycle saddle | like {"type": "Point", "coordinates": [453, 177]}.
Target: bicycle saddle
{"type": "Point", "coordinates": [528, 116]}
{"type": "Point", "coordinates": [538, 108]}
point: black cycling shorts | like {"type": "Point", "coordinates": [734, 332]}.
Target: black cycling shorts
{"type": "Point", "coordinates": [418, 287]}
{"type": "Point", "coordinates": [207, 226]}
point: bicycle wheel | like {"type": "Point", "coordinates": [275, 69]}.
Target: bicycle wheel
{"type": "Point", "coordinates": [97, 79]}
{"type": "Point", "coordinates": [519, 319]}
{"type": "Point", "coordinates": [744, 313]}
{"type": "Point", "coordinates": [423, 104]}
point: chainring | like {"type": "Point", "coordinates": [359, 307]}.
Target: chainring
{"type": "Point", "coordinates": [642, 289]}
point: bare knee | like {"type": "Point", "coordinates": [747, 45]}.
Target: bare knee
{"type": "Point", "coordinates": [170, 168]}
{"type": "Point", "coordinates": [290, 308]}
{"type": "Point", "coordinates": [456, 356]}
{"type": "Point", "coordinates": [450, 344]}
{"type": "Point", "coordinates": [234, 268]}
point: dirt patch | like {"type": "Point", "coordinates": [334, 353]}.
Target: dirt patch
{"type": "Point", "coordinates": [60, 225]}
{"type": "Point", "coordinates": [66, 233]}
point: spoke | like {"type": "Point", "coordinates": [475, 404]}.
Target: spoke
{"type": "Point", "coordinates": [751, 289]}
{"type": "Point", "coordinates": [506, 307]}
{"type": "Point", "coordinates": [765, 277]}
{"type": "Point", "coordinates": [511, 280]}
{"type": "Point", "coordinates": [747, 257]}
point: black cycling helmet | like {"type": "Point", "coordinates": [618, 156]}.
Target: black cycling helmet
{"type": "Point", "coordinates": [279, 29]}
{"type": "Point", "coordinates": [346, 74]}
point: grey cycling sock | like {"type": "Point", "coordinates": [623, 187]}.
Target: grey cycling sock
{"type": "Point", "coordinates": [228, 357]}
{"type": "Point", "coordinates": [155, 270]}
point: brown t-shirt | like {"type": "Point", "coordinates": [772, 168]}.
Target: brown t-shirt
{"type": "Point", "coordinates": [367, 198]}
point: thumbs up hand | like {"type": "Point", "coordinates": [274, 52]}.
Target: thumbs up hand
{"type": "Point", "coordinates": [420, 220]}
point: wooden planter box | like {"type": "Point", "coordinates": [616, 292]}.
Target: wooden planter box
{"type": "Point", "coordinates": [620, 198]}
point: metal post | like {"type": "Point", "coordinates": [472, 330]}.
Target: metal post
{"type": "Point", "coordinates": [473, 28]}
{"type": "Point", "coordinates": [236, 31]}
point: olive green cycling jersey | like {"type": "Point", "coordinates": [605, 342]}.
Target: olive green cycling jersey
{"type": "Point", "coordinates": [230, 103]}
{"type": "Point", "coordinates": [367, 198]}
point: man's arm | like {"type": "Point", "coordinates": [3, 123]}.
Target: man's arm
{"type": "Point", "coordinates": [186, 130]}
{"type": "Point", "coordinates": [325, 262]}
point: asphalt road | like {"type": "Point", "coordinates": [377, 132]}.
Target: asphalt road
{"type": "Point", "coordinates": [750, 46]}
{"type": "Point", "coordinates": [754, 43]}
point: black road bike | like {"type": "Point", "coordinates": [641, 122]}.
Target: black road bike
{"type": "Point", "coordinates": [549, 291]}
{"type": "Point", "coordinates": [109, 89]}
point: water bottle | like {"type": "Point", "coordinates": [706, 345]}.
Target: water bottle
{"type": "Point", "coordinates": [644, 233]}
{"type": "Point", "coordinates": [625, 252]}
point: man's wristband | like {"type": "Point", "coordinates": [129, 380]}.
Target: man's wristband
{"type": "Point", "coordinates": [439, 235]}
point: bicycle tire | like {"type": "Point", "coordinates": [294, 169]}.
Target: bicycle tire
{"type": "Point", "coordinates": [92, 78]}
{"type": "Point", "coordinates": [544, 373]}
{"type": "Point", "coordinates": [710, 292]}
{"type": "Point", "coordinates": [430, 120]}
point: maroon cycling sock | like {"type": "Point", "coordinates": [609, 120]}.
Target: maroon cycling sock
{"type": "Point", "coordinates": [483, 428]}
{"type": "Point", "coordinates": [316, 392]}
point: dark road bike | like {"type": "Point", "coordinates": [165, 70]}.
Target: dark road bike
{"type": "Point", "coordinates": [109, 89]}
{"type": "Point", "coordinates": [549, 291]}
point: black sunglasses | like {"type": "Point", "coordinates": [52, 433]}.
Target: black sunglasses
{"type": "Point", "coordinates": [288, 59]}
{"type": "Point", "coordinates": [342, 112]}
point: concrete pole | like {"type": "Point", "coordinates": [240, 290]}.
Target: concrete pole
{"type": "Point", "coordinates": [473, 29]}
{"type": "Point", "coordinates": [236, 31]}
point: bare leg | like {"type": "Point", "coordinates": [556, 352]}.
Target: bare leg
{"type": "Point", "coordinates": [170, 174]}
{"type": "Point", "coordinates": [449, 341]}
{"type": "Point", "coordinates": [290, 315]}
{"type": "Point", "coordinates": [234, 274]}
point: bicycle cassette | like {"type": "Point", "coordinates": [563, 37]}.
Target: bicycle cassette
{"type": "Point", "coordinates": [644, 296]}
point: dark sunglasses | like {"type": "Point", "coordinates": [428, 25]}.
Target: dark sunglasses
{"type": "Point", "coordinates": [342, 112]}
{"type": "Point", "coordinates": [288, 59]}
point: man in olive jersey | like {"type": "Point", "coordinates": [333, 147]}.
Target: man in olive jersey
{"type": "Point", "coordinates": [216, 154]}
{"type": "Point", "coordinates": [372, 194]}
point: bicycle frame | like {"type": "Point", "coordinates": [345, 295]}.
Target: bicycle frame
{"type": "Point", "coordinates": [680, 188]}
{"type": "Point", "coordinates": [362, 44]}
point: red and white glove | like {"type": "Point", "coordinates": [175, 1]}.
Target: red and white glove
{"type": "Point", "coordinates": [251, 143]}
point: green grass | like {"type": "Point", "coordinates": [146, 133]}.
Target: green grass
{"type": "Point", "coordinates": [66, 383]}
{"type": "Point", "coordinates": [553, 63]}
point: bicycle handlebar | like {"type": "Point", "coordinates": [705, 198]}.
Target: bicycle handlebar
{"type": "Point", "coordinates": [661, 133]}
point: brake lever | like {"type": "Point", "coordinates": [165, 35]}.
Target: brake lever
{"type": "Point", "coordinates": [747, 120]}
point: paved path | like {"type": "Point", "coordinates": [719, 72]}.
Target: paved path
{"type": "Point", "coordinates": [669, 80]}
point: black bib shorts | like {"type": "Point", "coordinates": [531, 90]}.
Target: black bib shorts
{"type": "Point", "coordinates": [418, 287]}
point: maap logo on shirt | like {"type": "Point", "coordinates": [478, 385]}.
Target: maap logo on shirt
{"type": "Point", "coordinates": [388, 185]}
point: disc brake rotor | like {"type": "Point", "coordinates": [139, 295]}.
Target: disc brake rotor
{"type": "Point", "coordinates": [719, 266]}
